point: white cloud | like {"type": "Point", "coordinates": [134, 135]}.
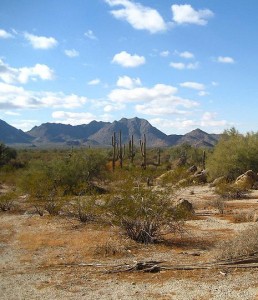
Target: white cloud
{"type": "Point", "coordinates": [158, 100]}
{"type": "Point", "coordinates": [25, 125]}
{"type": "Point", "coordinates": [13, 97]}
{"type": "Point", "coordinates": [183, 66]}
{"type": "Point", "coordinates": [164, 53]}
{"type": "Point", "coordinates": [12, 113]}
{"type": "Point", "coordinates": [140, 94]}
{"type": "Point", "coordinates": [5, 35]}
{"type": "Point", "coordinates": [24, 74]}
{"type": "Point", "coordinates": [207, 121]}
{"type": "Point", "coordinates": [128, 82]}
{"type": "Point", "coordinates": [94, 81]}
{"type": "Point", "coordinates": [110, 107]}
{"type": "Point", "coordinates": [225, 60]}
{"type": "Point", "coordinates": [40, 42]}
{"type": "Point", "coordinates": [73, 118]}
{"type": "Point", "coordinates": [203, 93]}
{"type": "Point", "coordinates": [138, 16]}
{"type": "Point", "coordinates": [186, 14]}
{"type": "Point", "coordinates": [89, 34]}
{"type": "Point", "coordinates": [127, 60]}
{"type": "Point", "coordinates": [193, 85]}
{"type": "Point", "coordinates": [71, 53]}
{"type": "Point", "coordinates": [186, 54]}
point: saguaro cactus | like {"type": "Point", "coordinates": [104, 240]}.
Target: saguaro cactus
{"type": "Point", "coordinates": [203, 160]}
{"type": "Point", "coordinates": [143, 151]}
{"type": "Point", "coordinates": [115, 151]}
{"type": "Point", "coordinates": [158, 157]}
{"type": "Point", "coordinates": [131, 150]}
{"type": "Point", "coordinates": [121, 152]}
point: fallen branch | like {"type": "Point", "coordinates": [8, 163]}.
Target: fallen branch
{"type": "Point", "coordinates": [154, 266]}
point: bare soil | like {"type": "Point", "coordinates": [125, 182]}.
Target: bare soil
{"type": "Point", "coordinates": [61, 258]}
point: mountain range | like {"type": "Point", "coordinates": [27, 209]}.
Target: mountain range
{"type": "Point", "coordinates": [100, 134]}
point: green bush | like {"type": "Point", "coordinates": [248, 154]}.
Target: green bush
{"type": "Point", "coordinates": [6, 154]}
{"type": "Point", "coordinates": [7, 200]}
{"type": "Point", "coordinates": [143, 214]}
{"type": "Point", "coordinates": [231, 191]}
{"type": "Point", "coordinates": [233, 155]}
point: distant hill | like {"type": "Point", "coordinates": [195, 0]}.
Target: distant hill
{"type": "Point", "coordinates": [199, 138]}
{"type": "Point", "coordinates": [11, 135]}
{"type": "Point", "coordinates": [100, 133]}
{"type": "Point", "coordinates": [62, 133]}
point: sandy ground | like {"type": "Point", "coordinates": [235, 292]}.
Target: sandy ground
{"type": "Point", "coordinates": [60, 258]}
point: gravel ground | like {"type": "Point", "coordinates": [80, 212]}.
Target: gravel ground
{"type": "Point", "coordinates": [34, 251]}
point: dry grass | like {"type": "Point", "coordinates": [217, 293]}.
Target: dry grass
{"type": "Point", "coordinates": [46, 244]}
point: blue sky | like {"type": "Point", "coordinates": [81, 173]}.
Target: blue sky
{"type": "Point", "coordinates": [179, 64]}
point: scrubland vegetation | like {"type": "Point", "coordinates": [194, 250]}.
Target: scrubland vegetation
{"type": "Point", "coordinates": [114, 187]}
{"type": "Point", "coordinates": [187, 205]}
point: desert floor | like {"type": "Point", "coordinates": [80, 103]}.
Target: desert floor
{"type": "Point", "coordinates": [61, 258]}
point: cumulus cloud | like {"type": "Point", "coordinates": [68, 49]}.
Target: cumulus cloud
{"type": "Point", "coordinates": [95, 81]}
{"type": "Point", "coordinates": [90, 35]}
{"type": "Point", "coordinates": [158, 100]}
{"type": "Point", "coordinates": [24, 74]}
{"type": "Point", "coordinates": [128, 60]}
{"type": "Point", "coordinates": [193, 85]}
{"type": "Point", "coordinates": [71, 53]}
{"type": "Point", "coordinates": [73, 118]}
{"type": "Point", "coordinates": [186, 54]}
{"type": "Point", "coordinates": [25, 125]}
{"type": "Point", "coordinates": [225, 60]}
{"type": "Point", "coordinates": [206, 121]}
{"type": "Point", "coordinates": [5, 35]}
{"type": "Point", "coordinates": [128, 82]}
{"type": "Point", "coordinates": [185, 14]}
{"type": "Point", "coordinates": [13, 97]}
{"type": "Point", "coordinates": [164, 53]}
{"type": "Point", "coordinates": [183, 66]}
{"type": "Point", "coordinates": [40, 42]}
{"type": "Point", "coordinates": [138, 16]}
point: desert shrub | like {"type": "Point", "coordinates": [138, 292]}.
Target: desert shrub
{"type": "Point", "coordinates": [7, 200]}
{"type": "Point", "coordinates": [244, 244]}
{"type": "Point", "coordinates": [242, 217]}
{"type": "Point", "coordinates": [219, 204]}
{"type": "Point", "coordinates": [179, 176]}
{"type": "Point", "coordinates": [37, 181]}
{"type": "Point", "coordinates": [231, 191]}
{"type": "Point", "coordinates": [112, 248]}
{"type": "Point", "coordinates": [87, 208]}
{"type": "Point", "coordinates": [192, 155]}
{"type": "Point", "coordinates": [76, 172]}
{"type": "Point", "coordinates": [233, 155]}
{"type": "Point", "coordinates": [6, 154]}
{"type": "Point", "coordinates": [144, 215]}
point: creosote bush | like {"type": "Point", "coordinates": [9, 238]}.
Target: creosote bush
{"type": "Point", "coordinates": [233, 155]}
{"type": "Point", "coordinates": [144, 215]}
{"type": "Point", "coordinates": [231, 191]}
{"type": "Point", "coordinates": [244, 244]}
{"type": "Point", "coordinates": [48, 183]}
{"type": "Point", "coordinates": [7, 200]}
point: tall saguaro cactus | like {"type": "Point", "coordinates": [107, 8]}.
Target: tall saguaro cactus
{"type": "Point", "coordinates": [131, 150]}
{"type": "Point", "coordinates": [143, 151]}
{"type": "Point", "coordinates": [121, 152]}
{"type": "Point", "coordinates": [203, 160]}
{"type": "Point", "coordinates": [158, 157]}
{"type": "Point", "coordinates": [115, 151]}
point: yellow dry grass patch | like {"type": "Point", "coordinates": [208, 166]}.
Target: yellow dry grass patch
{"type": "Point", "coordinates": [58, 240]}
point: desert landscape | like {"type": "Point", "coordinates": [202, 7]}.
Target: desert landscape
{"type": "Point", "coordinates": [61, 258]}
